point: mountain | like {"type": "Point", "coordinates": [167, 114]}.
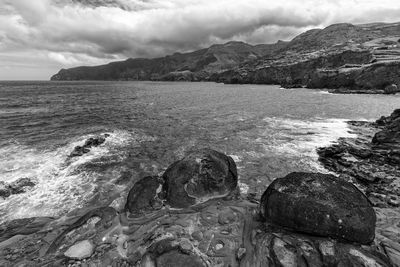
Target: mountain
{"type": "Point", "coordinates": [198, 64]}
{"type": "Point", "coordinates": [345, 57]}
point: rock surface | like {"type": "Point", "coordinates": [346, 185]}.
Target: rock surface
{"type": "Point", "coordinates": [320, 204]}
{"type": "Point", "coordinates": [144, 195]}
{"type": "Point", "coordinates": [371, 160]}
{"type": "Point", "coordinates": [89, 143]}
{"type": "Point", "coordinates": [216, 232]}
{"type": "Point", "coordinates": [17, 187]}
{"type": "Point", "coordinates": [200, 176]}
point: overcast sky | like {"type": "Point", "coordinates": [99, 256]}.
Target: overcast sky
{"type": "Point", "coordinates": [38, 37]}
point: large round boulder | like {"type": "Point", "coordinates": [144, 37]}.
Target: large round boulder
{"type": "Point", "coordinates": [319, 204]}
{"type": "Point", "coordinates": [201, 175]}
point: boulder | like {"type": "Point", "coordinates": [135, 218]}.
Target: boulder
{"type": "Point", "coordinates": [89, 143]}
{"type": "Point", "coordinates": [391, 89]}
{"type": "Point", "coordinates": [200, 176]}
{"type": "Point", "coordinates": [144, 195]}
{"type": "Point", "coordinates": [319, 204]}
{"type": "Point", "coordinates": [17, 187]}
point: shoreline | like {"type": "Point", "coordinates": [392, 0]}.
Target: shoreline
{"type": "Point", "coordinates": [160, 223]}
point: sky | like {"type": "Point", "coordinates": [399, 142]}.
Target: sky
{"type": "Point", "coordinates": [39, 37]}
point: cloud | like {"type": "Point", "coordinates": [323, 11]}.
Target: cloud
{"type": "Point", "coordinates": [67, 33]}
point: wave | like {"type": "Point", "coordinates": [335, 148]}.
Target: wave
{"type": "Point", "coordinates": [63, 183]}
{"type": "Point", "coordinates": [300, 138]}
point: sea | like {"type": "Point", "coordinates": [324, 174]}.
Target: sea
{"type": "Point", "coordinates": [268, 131]}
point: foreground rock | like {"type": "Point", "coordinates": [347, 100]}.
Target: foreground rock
{"type": "Point", "coordinates": [89, 143]}
{"type": "Point", "coordinates": [372, 160]}
{"type": "Point", "coordinates": [320, 204]}
{"type": "Point", "coordinates": [215, 227]}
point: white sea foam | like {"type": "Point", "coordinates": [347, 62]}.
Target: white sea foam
{"type": "Point", "coordinates": [61, 182]}
{"type": "Point", "coordinates": [301, 138]}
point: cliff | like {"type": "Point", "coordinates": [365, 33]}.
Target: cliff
{"type": "Point", "coordinates": [344, 57]}
{"type": "Point", "coordinates": [192, 66]}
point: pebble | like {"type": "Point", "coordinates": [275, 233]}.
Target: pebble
{"type": "Point", "coordinates": [80, 250]}
{"type": "Point", "coordinates": [218, 246]}
{"type": "Point", "coordinates": [394, 202]}
{"type": "Point", "coordinates": [240, 253]}
{"type": "Point", "coordinates": [198, 235]}
{"type": "Point", "coordinates": [185, 246]}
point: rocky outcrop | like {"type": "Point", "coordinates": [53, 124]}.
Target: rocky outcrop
{"type": "Point", "coordinates": [298, 71]}
{"type": "Point", "coordinates": [372, 161]}
{"type": "Point", "coordinates": [171, 227]}
{"type": "Point", "coordinates": [89, 143]}
{"type": "Point", "coordinates": [320, 204]}
{"type": "Point", "coordinates": [382, 77]}
{"type": "Point", "coordinates": [17, 187]}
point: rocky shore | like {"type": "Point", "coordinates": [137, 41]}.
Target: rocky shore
{"type": "Point", "coordinates": [372, 162]}
{"type": "Point", "coordinates": [194, 215]}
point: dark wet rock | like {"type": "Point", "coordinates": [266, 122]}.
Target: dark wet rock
{"type": "Point", "coordinates": [320, 204]}
{"type": "Point", "coordinates": [201, 175]}
{"type": "Point", "coordinates": [144, 195]}
{"type": "Point", "coordinates": [20, 185]}
{"type": "Point", "coordinates": [17, 187]}
{"type": "Point", "coordinates": [79, 151]}
{"type": "Point", "coordinates": [83, 225]}
{"type": "Point", "coordinates": [4, 190]}
{"type": "Point", "coordinates": [391, 89]}
{"type": "Point", "coordinates": [216, 232]}
{"type": "Point", "coordinates": [167, 253]}
{"type": "Point", "coordinates": [89, 143]}
{"type": "Point", "coordinates": [24, 226]}
{"type": "Point", "coordinates": [376, 171]}
{"type": "Point", "coordinates": [389, 137]}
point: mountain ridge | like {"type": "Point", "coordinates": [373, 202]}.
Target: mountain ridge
{"type": "Point", "coordinates": [239, 62]}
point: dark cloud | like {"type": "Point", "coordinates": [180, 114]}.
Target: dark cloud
{"type": "Point", "coordinates": [64, 33]}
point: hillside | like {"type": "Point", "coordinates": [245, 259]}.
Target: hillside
{"type": "Point", "coordinates": [198, 64]}
{"type": "Point", "coordinates": [345, 57]}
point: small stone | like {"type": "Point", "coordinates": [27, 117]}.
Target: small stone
{"type": "Point", "coordinates": [240, 253]}
{"type": "Point", "coordinates": [219, 246]}
{"type": "Point", "coordinates": [186, 246]}
{"type": "Point", "coordinates": [394, 202]}
{"type": "Point", "coordinates": [80, 250]}
{"type": "Point", "coordinates": [198, 235]}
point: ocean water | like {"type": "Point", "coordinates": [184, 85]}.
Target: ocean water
{"type": "Point", "coordinates": [269, 132]}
